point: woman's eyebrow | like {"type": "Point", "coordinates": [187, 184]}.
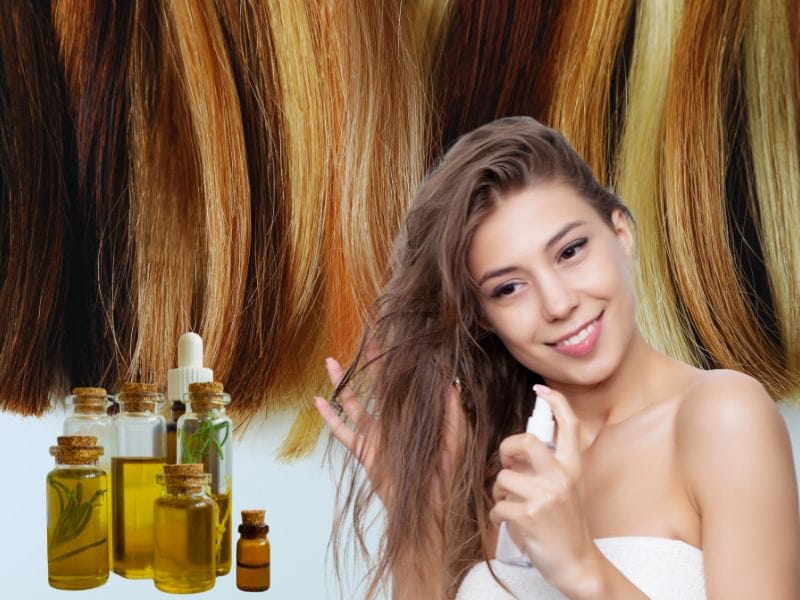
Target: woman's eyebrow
{"type": "Point", "coordinates": [562, 232]}
{"type": "Point", "coordinates": [551, 242]}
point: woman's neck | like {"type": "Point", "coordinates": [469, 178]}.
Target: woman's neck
{"type": "Point", "coordinates": [638, 381]}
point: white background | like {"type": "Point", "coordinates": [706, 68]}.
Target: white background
{"type": "Point", "coordinates": [298, 498]}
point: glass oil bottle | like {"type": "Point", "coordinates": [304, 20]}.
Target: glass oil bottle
{"type": "Point", "coordinates": [252, 553]}
{"type": "Point", "coordinates": [141, 452]}
{"type": "Point", "coordinates": [205, 435]}
{"type": "Point", "coordinates": [77, 516]}
{"type": "Point", "coordinates": [190, 369]}
{"type": "Point", "coordinates": [184, 531]}
{"type": "Point", "coordinates": [87, 414]}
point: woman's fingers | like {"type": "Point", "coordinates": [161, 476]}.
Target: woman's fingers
{"type": "Point", "coordinates": [340, 430]}
{"type": "Point", "coordinates": [347, 398]}
{"type": "Point", "coordinates": [568, 445]}
{"type": "Point", "coordinates": [526, 449]}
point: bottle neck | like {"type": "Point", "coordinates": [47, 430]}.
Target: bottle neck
{"type": "Point", "coordinates": [251, 532]}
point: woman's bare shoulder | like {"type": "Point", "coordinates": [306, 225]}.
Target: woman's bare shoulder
{"type": "Point", "coordinates": [725, 402]}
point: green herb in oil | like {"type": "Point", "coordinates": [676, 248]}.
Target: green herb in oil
{"type": "Point", "coordinates": [196, 445]}
{"type": "Point", "coordinates": [74, 516]}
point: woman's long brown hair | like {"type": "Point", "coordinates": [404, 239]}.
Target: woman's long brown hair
{"type": "Point", "coordinates": [427, 327]}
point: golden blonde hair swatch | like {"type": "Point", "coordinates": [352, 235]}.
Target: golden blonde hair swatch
{"type": "Point", "coordinates": [702, 74]}
{"type": "Point", "coordinates": [638, 177]}
{"type": "Point", "coordinates": [773, 132]}
{"type": "Point", "coordinates": [376, 137]}
{"type": "Point", "coordinates": [34, 205]}
{"type": "Point", "coordinates": [589, 56]}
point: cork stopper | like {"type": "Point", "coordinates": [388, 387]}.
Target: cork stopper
{"type": "Point", "coordinates": [206, 395]}
{"type": "Point", "coordinates": [139, 397]}
{"type": "Point", "coordinates": [184, 479]}
{"type": "Point", "coordinates": [76, 450]}
{"type": "Point", "coordinates": [253, 518]}
{"type": "Point", "coordinates": [206, 387]}
{"type": "Point", "coordinates": [89, 400]}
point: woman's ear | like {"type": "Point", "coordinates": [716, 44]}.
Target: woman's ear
{"type": "Point", "coordinates": [622, 229]}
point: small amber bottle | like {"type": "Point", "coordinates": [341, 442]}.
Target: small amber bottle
{"type": "Point", "coordinates": [77, 516]}
{"type": "Point", "coordinates": [184, 531]}
{"type": "Point", "coordinates": [252, 553]}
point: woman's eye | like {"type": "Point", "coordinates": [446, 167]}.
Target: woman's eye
{"type": "Point", "coordinates": [504, 290]}
{"type": "Point", "coordinates": [572, 249]}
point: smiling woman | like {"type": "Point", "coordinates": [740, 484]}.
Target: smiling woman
{"type": "Point", "coordinates": [513, 270]}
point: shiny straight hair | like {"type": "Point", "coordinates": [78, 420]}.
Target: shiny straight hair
{"type": "Point", "coordinates": [36, 182]}
{"type": "Point", "coordinates": [701, 140]}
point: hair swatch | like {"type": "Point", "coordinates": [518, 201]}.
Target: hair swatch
{"type": "Point", "coordinates": [773, 131]}
{"type": "Point", "coordinates": [638, 178]}
{"type": "Point", "coordinates": [498, 60]}
{"type": "Point", "coordinates": [94, 43]}
{"type": "Point", "coordinates": [255, 381]}
{"type": "Point", "coordinates": [702, 74]}
{"type": "Point", "coordinates": [589, 55]}
{"type": "Point", "coordinates": [35, 187]}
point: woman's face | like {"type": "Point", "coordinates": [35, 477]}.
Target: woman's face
{"type": "Point", "coordinates": [554, 283]}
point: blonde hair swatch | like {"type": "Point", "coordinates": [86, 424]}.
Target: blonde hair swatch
{"type": "Point", "coordinates": [706, 58]}
{"type": "Point", "coordinates": [374, 77]}
{"type": "Point", "coordinates": [589, 54]}
{"type": "Point", "coordinates": [773, 131]}
{"type": "Point", "coordinates": [34, 201]}
{"type": "Point", "coordinates": [638, 178]}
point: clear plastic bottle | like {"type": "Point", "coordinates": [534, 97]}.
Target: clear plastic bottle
{"type": "Point", "coordinates": [141, 453]}
{"type": "Point", "coordinates": [253, 553]}
{"type": "Point", "coordinates": [184, 531]}
{"type": "Point", "coordinates": [77, 516]}
{"type": "Point", "coordinates": [87, 414]}
{"type": "Point", "coordinates": [205, 435]}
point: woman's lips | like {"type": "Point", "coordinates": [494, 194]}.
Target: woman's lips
{"type": "Point", "coordinates": [583, 342]}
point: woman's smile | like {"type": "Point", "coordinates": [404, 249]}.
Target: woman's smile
{"type": "Point", "coordinates": [582, 341]}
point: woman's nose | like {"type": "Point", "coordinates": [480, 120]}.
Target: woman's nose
{"type": "Point", "coordinates": [558, 299]}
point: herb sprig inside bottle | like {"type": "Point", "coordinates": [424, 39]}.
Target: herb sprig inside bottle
{"type": "Point", "coordinates": [205, 436]}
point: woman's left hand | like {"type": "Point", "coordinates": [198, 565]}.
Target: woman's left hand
{"type": "Point", "coordinates": [538, 494]}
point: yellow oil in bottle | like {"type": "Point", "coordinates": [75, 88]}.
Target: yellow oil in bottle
{"type": "Point", "coordinates": [185, 543]}
{"type": "Point", "coordinates": [133, 493]}
{"type": "Point", "coordinates": [77, 528]}
{"type": "Point", "coordinates": [224, 539]}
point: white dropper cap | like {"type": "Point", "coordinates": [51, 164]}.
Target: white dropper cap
{"type": "Point", "coordinates": [190, 367]}
{"type": "Point", "coordinates": [541, 423]}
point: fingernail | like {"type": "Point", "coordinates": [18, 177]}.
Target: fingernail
{"type": "Point", "coordinates": [329, 362]}
{"type": "Point", "coordinates": [541, 389]}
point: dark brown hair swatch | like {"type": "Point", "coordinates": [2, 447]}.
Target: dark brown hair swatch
{"type": "Point", "coordinates": [35, 187]}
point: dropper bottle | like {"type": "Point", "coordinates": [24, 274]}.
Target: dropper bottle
{"type": "Point", "coordinates": [190, 370]}
{"type": "Point", "coordinates": [540, 424]}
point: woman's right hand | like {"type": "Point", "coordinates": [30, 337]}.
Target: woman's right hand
{"type": "Point", "coordinates": [361, 436]}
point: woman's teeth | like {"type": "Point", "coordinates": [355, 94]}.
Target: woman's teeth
{"type": "Point", "coordinates": [578, 337]}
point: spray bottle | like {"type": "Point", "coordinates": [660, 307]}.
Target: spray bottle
{"type": "Point", "coordinates": [190, 370]}
{"type": "Point", "coordinates": [540, 424]}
